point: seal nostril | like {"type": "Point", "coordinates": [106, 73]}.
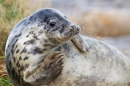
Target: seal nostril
{"type": "Point", "coordinates": [73, 26]}
{"type": "Point", "coordinates": [78, 29]}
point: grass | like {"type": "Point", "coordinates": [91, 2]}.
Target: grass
{"type": "Point", "coordinates": [4, 81]}
{"type": "Point", "coordinates": [11, 12]}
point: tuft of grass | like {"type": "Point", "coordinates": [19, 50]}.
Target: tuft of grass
{"type": "Point", "coordinates": [4, 81]}
{"type": "Point", "coordinates": [4, 78]}
{"type": "Point", "coordinates": [11, 11]}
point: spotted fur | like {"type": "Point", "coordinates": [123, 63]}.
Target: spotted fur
{"type": "Point", "coordinates": [38, 54]}
{"type": "Point", "coordinates": [33, 41]}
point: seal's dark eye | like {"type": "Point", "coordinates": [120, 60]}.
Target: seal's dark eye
{"type": "Point", "coordinates": [52, 24]}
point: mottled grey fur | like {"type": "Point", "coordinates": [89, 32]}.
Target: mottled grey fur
{"type": "Point", "coordinates": [101, 65]}
{"type": "Point", "coordinates": [30, 59]}
{"type": "Point", "coordinates": [39, 54]}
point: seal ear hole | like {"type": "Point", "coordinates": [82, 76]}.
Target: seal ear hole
{"type": "Point", "coordinates": [52, 24]}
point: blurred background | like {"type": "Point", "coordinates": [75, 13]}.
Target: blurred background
{"type": "Point", "coordinates": [105, 20]}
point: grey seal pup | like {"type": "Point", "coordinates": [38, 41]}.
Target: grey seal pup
{"type": "Point", "coordinates": [30, 60]}
{"type": "Point", "coordinates": [46, 49]}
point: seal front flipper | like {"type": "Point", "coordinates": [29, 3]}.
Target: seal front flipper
{"type": "Point", "coordinates": [80, 43]}
{"type": "Point", "coordinates": [49, 70]}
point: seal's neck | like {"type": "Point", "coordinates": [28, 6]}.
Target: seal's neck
{"type": "Point", "coordinates": [49, 45]}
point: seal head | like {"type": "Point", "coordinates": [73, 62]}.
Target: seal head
{"type": "Point", "coordinates": [55, 24]}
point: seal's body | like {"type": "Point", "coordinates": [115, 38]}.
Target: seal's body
{"type": "Point", "coordinates": [46, 49]}
{"type": "Point", "coordinates": [101, 65]}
